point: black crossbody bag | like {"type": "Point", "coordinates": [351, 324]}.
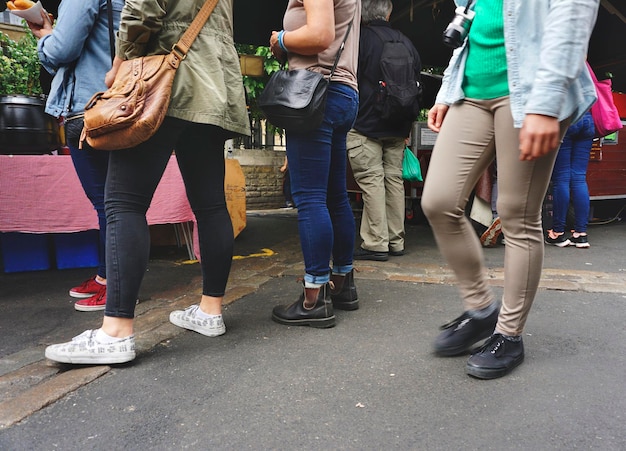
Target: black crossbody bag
{"type": "Point", "coordinates": [295, 100]}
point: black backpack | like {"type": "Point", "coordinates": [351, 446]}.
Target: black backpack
{"type": "Point", "coordinates": [399, 91]}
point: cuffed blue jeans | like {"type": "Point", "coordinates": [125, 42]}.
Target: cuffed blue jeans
{"type": "Point", "coordinates": [569, 176]}
{"type": "Point", "coordinates": [131, 182]}
{"type": "Point", "coordinates": [317, 167]}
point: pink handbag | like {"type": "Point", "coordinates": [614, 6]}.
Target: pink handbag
{"type": "Point", "coordinates": [605, 115]}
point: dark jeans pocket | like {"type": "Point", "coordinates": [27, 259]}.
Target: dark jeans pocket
{"type": "Point", "coordinates": [73, 129]}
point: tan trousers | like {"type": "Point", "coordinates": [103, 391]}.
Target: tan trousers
{"type": "Point", "coordinates": [472, 134]}
{"type": "Point", "coordinates": [377, 168]}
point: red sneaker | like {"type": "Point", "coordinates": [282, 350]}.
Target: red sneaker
{"type": "Point", "coordinates": [96, 302]}
{"type": "Point", "coordinates": [87, 289]}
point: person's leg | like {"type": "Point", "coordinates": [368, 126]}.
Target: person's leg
{"type": "Point", "coordinates": [522, 188]}
{"type": "Point", "coordinates": [463, 151]}
{"type": "Point", "coordinates": [91, 167]}
{"type": "Point", "coordinates": [287, 188]}
{"type": "Point", "coordinates": [200, 156]}
{"type": "Point", "coordinates": [581, 148]}
{"type": "Point", "coordinates": [561, 187]}
{"type": "Point", "coordinates": [393, 153]}
{"type": "Point", "coordinates": [325, 220]}
{"type": "Point", "coordinates": [132, 179]}
{"type": "Point", "coordinates": [342, 110]}
{"type": "Point", "coordinates": [366, 160]}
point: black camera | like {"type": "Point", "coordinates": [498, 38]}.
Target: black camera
{"type": "Point", "coordinates": [459, 27]}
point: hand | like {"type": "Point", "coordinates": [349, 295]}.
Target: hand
{"type": "Point", "coordinates": [278, 53]}
{"type": "Point", "coordinates": [39, 31]}
{"type": "Point", "coordinates": [539, 135]}
{"type": "Point", "coordinates": [109, 78]}
{"type": "Point", "coordinates": [436, 115]}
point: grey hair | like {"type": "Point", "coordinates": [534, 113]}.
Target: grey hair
{"type": "Point", "coordinates": [375, 9]}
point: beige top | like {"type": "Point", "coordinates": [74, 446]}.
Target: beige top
{"type": "Point", "coordinates": [345, 12]}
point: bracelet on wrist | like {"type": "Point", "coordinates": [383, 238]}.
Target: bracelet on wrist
{"type": "Point", "coordinates": [281, 43]}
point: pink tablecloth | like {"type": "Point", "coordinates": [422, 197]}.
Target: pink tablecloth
{"type": "Point", "coordinates": [42, 194]}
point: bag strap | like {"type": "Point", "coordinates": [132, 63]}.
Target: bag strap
{"type": "Point", "coordinates": [184, 43]}
{"type": "Point", "coordinates": [110, 20]}
{"type": "Point", "coordinates": [343, 44]}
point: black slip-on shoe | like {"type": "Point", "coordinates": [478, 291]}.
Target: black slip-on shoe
{"type": "Point", "coordinates": [321, 315]}
{"type": "Point", "coordinates": [460, 334]}
{"type": "Point", "coordinates": [364, 254]}
{"type": "Point", "coordinates": [497, 358]}
{"type": "Point", "coordinates": [345, 297]}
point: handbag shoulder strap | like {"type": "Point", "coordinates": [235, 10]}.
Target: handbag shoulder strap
{"type": "Point", "coordinates": [111, 33]}
{"type": "Point", "coordinates": [184, 43]}
{"type": "Point", "coordinates": [343, 44]}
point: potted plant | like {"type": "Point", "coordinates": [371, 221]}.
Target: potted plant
{"type": "Point", "coordinates": [24, 126]}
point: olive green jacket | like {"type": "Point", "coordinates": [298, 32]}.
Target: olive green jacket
{"type": "Point", "coordinates": [208, 86]}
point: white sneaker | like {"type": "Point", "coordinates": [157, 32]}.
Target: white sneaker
{"type": "Point", "coordinates": [188, 319]}
{"type": "Point", "coordinates": [85, 349]}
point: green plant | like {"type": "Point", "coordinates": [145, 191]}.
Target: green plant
{"type": "Point", "coordinates": [19, 65]}
{"type": "Point", "coordinates": [255, 85]}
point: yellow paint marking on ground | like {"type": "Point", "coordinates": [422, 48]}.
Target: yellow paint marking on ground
{"type": "Point", "coordinates": [265, 253]}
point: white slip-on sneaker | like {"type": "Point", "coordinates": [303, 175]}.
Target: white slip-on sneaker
{"type": "Point", "coordinates": [188, 319]}
{"type": "Point", "coordinates": [86, 350]}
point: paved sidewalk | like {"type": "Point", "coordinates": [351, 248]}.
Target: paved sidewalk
{"type": "Point", "coordinates": [371, 382]}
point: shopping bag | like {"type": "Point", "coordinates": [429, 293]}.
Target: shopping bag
{"type": "Point", "coordinates": [605, 115]}
{"type": "Point", "coordinates": [411, 169]}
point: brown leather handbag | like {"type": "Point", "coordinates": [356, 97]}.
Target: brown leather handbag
{"type": "Point", "coordinates": [133, 108]}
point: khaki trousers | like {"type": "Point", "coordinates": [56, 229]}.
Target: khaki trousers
{"type": "Point", "coordinates": [377, 168]}
{"type": "Point", "coordinates": [472, 134]}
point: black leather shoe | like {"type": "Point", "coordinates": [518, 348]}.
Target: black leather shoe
{"type": "Point", "coordinates": [461, 334]}
{"type": "Point", "coordinates": [364, 254]}
{"type": "Point", "coordinates": [496, 358]}
{"type": "Point", "coordinates": [345, 297]}
{"type": "Point", "coordinates": [321, 315]}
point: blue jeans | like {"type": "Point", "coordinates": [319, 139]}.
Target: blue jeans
{"type": "Point", "coordinates": [131, 182]}
{"type": "Point", "coordinates": [317, 167]}
{"type": "Point", "coordinates": [569, 176]}
{"type": "Point", "coordinates": [91, 167]}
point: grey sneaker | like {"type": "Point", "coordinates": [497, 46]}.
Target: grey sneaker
{"type": "Point", "coordinates": [187, 319]}
{"type": "Point", "coordinates": [86, 350]}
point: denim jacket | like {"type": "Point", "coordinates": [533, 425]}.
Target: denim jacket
{"type": "Point", "coordinates": [547, 43]}
{"type": "Point", "coordinates": [78, 54]}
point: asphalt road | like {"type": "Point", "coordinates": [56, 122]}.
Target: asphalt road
{"type": "Point", "coordinates": [371, 382]}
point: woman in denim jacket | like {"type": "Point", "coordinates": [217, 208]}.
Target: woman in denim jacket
{"type": "Point", "coordinates": [207, 107]}
{"type": "Point", "coordinates": [78, 53]}
{"type": "Point", "coordinates": [511, 90]}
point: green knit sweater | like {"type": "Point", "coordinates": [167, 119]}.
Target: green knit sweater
{"type": "Point", "coordinates": [485, 70]}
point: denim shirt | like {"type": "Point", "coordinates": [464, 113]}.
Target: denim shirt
{"type": "Point", "coordinates": [546, 45]}
{"type": "Point", "coordinates": [78, 54]}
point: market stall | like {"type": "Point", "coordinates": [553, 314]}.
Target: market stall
{"type": "Point", "coordinates": [41, 195]}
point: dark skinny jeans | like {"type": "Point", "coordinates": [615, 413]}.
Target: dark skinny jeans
{"type": "Point", "coordinates": [132, 180]}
